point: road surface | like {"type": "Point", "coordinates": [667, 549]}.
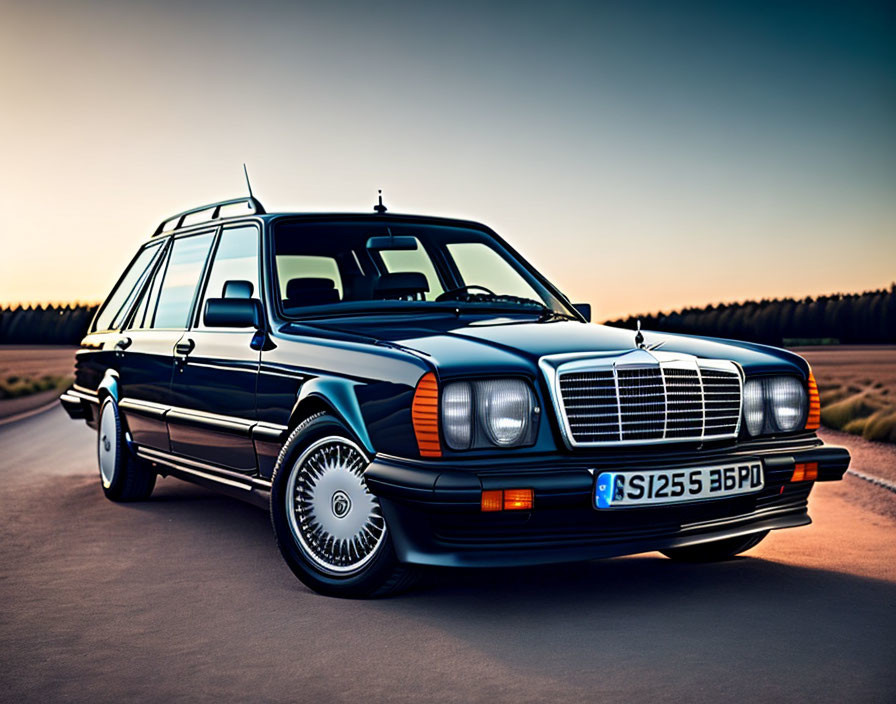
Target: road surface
{"type": "Point", "coordinates": [185, 597]}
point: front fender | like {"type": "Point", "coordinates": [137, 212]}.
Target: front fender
{"type": "Point", "coordinates": [339, 395]}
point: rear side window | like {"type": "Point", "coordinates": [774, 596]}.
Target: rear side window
{"type": "Point", "coordinates": [119, 302]}
{"type": "Point", "coordinates": [185, 265]}
{"type": "Point", "coordinates": [146, 308]}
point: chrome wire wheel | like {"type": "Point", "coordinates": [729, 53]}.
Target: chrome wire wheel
{"type": "Point", "coordinates": [335, 520]}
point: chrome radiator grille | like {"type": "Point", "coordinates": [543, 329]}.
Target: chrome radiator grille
{"type": "Point", "coordinates": [668, 400]}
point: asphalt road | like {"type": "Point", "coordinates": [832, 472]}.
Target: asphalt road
{"type": "Point", "coordinates": [185, 597]}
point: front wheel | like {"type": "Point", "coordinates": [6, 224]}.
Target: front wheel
{"type": "Point", "coordinates": [329, 527]}
{"type": "Point", "coordinates": [123, 476]}
{"type": "Point", "coordinates": [716, 550]}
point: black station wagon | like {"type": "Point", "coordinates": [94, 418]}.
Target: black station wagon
{"type": "Point", "coordinates": [402, 391]}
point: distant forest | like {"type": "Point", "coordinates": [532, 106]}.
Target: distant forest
{"type": "Point", "coordinates": [846, 318]}
{"type": "Point", "coordinates": [45, 325]}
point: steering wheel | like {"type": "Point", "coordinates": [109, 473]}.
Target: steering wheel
{"type": "Point", "coordinates": [452, 293]}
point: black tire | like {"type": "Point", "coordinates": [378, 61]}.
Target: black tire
{"type": "Point", "coordinates": [122, 476]}
{"type": "Point", "coordinates": [717, 550]}
{"type": "Point", "coordinates": [381, 574]}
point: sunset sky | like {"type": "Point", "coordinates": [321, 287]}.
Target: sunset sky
{"type": "Point", "coordinates": [644, 156]}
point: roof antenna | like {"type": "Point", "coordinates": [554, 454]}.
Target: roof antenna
{"type": "Point", "coordinates": [248, 185]}
{"type": "Point", "coordinates": [379, 207]}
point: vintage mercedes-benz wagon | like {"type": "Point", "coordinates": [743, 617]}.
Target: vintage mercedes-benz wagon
{"type": "Point", "coordinates": [403, 391]}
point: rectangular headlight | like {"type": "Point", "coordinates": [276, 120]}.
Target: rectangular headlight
{"type": "Point", "coordinates": [488, 413]}
{"type": "Point", "coordinates": [775, 404]}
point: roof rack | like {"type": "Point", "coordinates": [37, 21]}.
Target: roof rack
{"type": "Point", "coordinates": [176, 221]}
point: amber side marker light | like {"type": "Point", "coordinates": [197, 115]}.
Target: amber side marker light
{"type": "Point", "coordinates": [813, 420]}
{"type": "Point", "coordinates": [508, 500]}
{"type": "Point", "coordinates": [805, 472]}
{"type": "Point", "coordinates": [425, 416]}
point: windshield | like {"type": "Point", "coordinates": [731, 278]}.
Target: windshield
{"type": "Point", "coordinates": [342, 267]}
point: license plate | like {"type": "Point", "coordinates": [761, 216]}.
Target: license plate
{"type": "Point", "coordinates": [669, 486]}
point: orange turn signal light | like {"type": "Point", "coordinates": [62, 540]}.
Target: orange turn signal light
{"type": "Point", "coordinates": [518, 499]}
{"type": "Point", "coordinates": [805, 472]}
{"type": "Point", "coordinates": [508, 500]}
{"type": "Point", "coordinates": [425, 416]}
{"type": "Point", "coordinates": [492, 500]}
{"type": "Point", "coordinates": [813, 420]}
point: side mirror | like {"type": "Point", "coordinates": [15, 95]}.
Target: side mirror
{"type": "Point", "coordinates": [583, 309]}
{"type": "Point", "coordinates": [233, 313]}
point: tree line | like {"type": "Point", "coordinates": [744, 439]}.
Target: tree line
{"type": "Point", "coordinates": [847, 318]}
{"type": "Point", "coordinates": [45, 325]}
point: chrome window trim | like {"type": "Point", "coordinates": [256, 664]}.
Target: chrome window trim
{"type": "Point", "coordinates": [552, 366]}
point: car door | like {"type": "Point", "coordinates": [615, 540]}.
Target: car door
{"type": "Point", "coordinates": [157, 324]}
{"type": "Point", "coordinates": [216, 369]}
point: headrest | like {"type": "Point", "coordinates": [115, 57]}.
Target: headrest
{"type": "Point", "coordinates": [402, 283]}
{"type": "Point", "coordinates": [237, 289]}
{"type": "Point", "coordinates": [296, 288]}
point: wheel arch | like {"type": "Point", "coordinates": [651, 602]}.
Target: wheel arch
{"type": "Point", "coordinates": [109, 387]}
{"type": "Point", "coordinates": [336, 397]}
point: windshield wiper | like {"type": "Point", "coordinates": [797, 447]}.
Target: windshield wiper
{"type": "Point", "coordinates": [545, 312]}
{"type": "Point", "coordinates": [551, 314]}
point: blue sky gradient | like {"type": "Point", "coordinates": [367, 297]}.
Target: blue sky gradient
{"type": "Point", "coordinates": [645, 157]}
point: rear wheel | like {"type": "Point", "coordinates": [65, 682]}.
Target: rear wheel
{"type": "Point", "coordinates": [717, 550]}
{"type": "Point", "coordinates": [123, 476]}
{"type": "Point", "coordinates": [329, 527]}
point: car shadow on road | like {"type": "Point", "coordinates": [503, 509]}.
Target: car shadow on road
{"type": "Point", "coordinates": [747, 625]}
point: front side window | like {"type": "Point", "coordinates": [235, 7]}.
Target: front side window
{"type": "Point", "coordinates": [371, 266]}
{"type": "Point", "coordinates": [182, 276]}
{"type": "Point", "coordinates": [235, 260]}
{"type": "Point", "coordinates": [119, 302]}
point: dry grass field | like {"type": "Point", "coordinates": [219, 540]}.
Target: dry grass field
{"type": "Point", "coordinates": [26, 369]}
{"type": "Point", "coordinates": [858, 388]}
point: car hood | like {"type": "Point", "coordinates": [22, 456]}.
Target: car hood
{"type": "Point", "coordinates": [508, 343]}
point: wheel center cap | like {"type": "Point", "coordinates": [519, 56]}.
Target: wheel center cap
{"type": "Point", "coordinates": [340, 504]}
{"type": "Point", "coordinates": [106, 444]}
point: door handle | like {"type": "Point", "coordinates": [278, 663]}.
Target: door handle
{"type": "Point", "coordinates": [123, 343]}
{"type": "Point", "coordinates": [184, 347]}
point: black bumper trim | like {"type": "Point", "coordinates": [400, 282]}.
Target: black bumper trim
{"type": "Point", "coordinates": [417, 547]}
{"type": "Point", "coordinates": [561, 481]}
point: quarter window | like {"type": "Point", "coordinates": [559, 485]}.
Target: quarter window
{"type": "Point", "coordinates": [122, 297]}
{"type": "Point", "coordinates": [185, 265]}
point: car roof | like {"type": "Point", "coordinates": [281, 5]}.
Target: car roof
{"type": "Point", "coordinates": [266, 217]}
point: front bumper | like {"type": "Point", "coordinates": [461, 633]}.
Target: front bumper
{"type": "Point", "coordinates": [433, 507]}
